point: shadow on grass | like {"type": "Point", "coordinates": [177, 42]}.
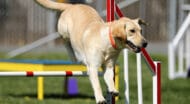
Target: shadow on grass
{"type": "Point", "coordinates": [53, 96]}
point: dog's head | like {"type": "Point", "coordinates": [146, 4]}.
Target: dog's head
{"type": "Point", "coordinates": [129, 31]}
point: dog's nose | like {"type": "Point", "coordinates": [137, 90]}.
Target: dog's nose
{"type": "Point", "coordinates": [145, 44]}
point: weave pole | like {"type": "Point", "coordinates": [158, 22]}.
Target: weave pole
{"type": "Point", "coordinates": [156, 79]}
{"type": "Point", "coordinates": [155, 68]}
{"type": "Point", "coordinates": [139, 79]}
{"type": "Point", "coordinates": [110, 5]}
{"type": "Point", "coordinates": [110, 10]}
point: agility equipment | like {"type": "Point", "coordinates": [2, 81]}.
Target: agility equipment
{"type": "Point", "coordinates": [46, 68]}
{"type": "Point", "coordinates": [42, 73]}
{"type": "Point", "coordinates": [179, 45]}
{"type": "Point", "coordinates": [155, 67]}
{"type": "Point", "coordinates": [40, 68]}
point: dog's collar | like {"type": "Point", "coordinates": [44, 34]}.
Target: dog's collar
{"type": "Point", "coordinates": [112, 40]}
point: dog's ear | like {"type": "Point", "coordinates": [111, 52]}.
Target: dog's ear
{"type": "Point", "coordinates": [141, 22]}
{"type": "Point", "coordinates": [118, 31]}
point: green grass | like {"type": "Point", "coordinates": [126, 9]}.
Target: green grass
{"type": "Point", "coordinates": [21, 90]}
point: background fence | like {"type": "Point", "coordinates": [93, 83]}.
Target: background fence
{"type": "Point", "coordinates": [24, 21]}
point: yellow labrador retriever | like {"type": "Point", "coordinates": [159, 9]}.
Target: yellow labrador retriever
{"type": "Point", "coordinates": [96, 43]}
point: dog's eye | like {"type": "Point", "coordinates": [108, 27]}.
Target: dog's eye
{"type": "Point", "coordinates": [132, 30]}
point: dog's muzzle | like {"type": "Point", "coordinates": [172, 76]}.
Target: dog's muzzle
{"type": "Point", "coordinates": [144, 45]}
{"type": "Point", "coordinates": [135, 48]}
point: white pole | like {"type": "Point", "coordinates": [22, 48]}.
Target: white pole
{"type": "Point", "coordinates": [154, 82]}
{"type": "Point", "coordinates": [139, 78]}
{"type": "Point", "coordinates": [16, 74]}
{"type": "Point", "coordinates": [180, 57]}
{"type": "Point", "coordinates": [187, 49]}
{"type": "Point", "coordinates": [171, 61]}
{"type": "Point", "coordinates": [181, 31]}
{"type": "Point", "coordinates": [172, 18]}
{"type": "Point", "coordinates": [126, 76]}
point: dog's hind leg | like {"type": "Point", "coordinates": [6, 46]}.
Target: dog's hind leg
{"type": "Point", "coordinates": [70, 50]}
{"type": "Point", "coordinates": [63, 31]}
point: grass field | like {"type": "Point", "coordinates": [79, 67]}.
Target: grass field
{"type": "Point", "coordinates": [21, 90]}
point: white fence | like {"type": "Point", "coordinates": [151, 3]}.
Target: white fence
{"type": "Point", "coordinates": [179, 51]}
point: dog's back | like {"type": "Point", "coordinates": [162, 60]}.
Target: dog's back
{"type": "Point", "coordinates": [73, 22]}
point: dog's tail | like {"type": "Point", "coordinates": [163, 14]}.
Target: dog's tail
{"type": "Point", "coordinates": [53, 5]}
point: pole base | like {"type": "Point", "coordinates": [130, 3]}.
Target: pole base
{"type": "Point", "coordinates": [72, 87]}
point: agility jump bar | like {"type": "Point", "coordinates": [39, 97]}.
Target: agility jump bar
{"type": "Point", "coordinates": [44, 73]}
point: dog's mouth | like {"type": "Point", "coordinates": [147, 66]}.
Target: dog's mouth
{"type": "Point", "coordinates": [134, 48]}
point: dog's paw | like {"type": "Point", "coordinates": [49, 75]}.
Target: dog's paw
{"type": "Point", "coordinates": [114, 93]}
{"type": "Point", "coordinates": [102, 102]}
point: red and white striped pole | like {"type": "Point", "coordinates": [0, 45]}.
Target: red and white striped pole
{"type": "Point", "coordinates": [42, 73]}
{"type": "Point", "coordinates": [156, 81]}
{"type": "Point", "coordinates": [155, 67]}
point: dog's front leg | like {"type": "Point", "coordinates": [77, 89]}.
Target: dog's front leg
{"type": "Point", "coordinates": [109, 78]}
{"type": "Point", "coordinates": [93, 75]}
